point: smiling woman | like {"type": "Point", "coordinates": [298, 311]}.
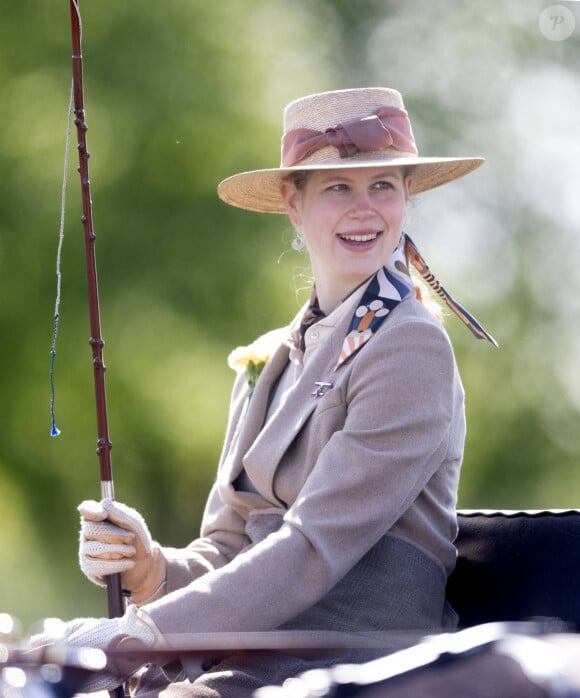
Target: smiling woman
{"type": "Point", "coordinates": [334, 504]}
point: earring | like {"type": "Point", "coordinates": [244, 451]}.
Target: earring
{"type": "Point", "coordinates": [299, 242]}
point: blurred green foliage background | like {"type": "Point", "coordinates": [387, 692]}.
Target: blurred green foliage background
{"type": "Point", "coordinates": [182, 93]}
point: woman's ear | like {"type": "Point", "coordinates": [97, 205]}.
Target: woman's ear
{"type": "Point", "coordinates": [408, 184]}
{"type": "Point", "coordinates": [293, 202]}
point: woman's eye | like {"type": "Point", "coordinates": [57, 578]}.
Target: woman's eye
{"type": "Point", "coordinates": [383, 185]}
{"type": "Point", "coordinates": [338, 187]}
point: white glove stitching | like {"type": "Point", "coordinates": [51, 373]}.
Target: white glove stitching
{"type": "Point", "coordinates": [132, 518]}
{"type": "Point", "coordinates": [95, 567]}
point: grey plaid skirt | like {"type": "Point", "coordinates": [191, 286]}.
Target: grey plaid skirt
{"type": "Point", "coordinates": [395, 590]}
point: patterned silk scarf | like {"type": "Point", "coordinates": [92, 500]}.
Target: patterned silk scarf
{"type": "Point", "coordinates": [385, 291]}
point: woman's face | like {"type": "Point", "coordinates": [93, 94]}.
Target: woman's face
{"type": "Point", "coordinates": [352, 221]}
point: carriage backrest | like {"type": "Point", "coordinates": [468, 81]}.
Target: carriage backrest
{"type": "Point", "coordinates": [517, 565]}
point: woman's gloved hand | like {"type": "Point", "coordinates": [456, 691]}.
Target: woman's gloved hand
{"type": "Point", "coordinates": [106, 634]}
{"type": "Point", "coordinates": [115, 539]}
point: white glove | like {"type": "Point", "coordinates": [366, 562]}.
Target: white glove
{"type": "Point", "coordinates": [106, 548]}
{"type": "Point", "coordinates": [104, 634]}
{"type": "Point", "coordinates": [115, 539]}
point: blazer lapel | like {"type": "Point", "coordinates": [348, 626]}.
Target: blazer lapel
{"type": "Point", "coordinates": [265, 450]}
{"type": "Point", "coordinates": [254, 413]}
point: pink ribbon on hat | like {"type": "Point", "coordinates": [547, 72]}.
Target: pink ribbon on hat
{"type": "Point", "coordinates": [388, 127]}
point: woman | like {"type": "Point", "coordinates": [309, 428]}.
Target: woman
{"type": "Point", "coordinates": [334, 503]}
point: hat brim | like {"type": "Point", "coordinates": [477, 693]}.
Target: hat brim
{"type": "Point", "coordinates": [259, 190]}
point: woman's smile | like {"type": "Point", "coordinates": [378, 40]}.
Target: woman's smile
{"type": "Point", "coordinates": [359, 240]}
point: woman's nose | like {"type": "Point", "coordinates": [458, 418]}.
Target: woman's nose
{"type": "Point", "coordinates": [361, 206]}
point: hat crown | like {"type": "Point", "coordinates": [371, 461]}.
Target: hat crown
{"type": "Point", "coordinates": [328, 109]}
{"type": "Point", "coordinates": [360, 127]}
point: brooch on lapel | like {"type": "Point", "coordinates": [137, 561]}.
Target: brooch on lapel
{"type": "Point", "coordinates": [321, 386]}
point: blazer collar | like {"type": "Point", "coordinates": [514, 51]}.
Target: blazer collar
{"type": "Point", "coordinates": [265, 444]}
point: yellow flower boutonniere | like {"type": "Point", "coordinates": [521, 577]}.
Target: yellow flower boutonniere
{"type": "Point", "coordinates": [251, 359]}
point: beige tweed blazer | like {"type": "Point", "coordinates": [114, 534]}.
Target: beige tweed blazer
{"type": "Point", "coordinates": [369, 466]}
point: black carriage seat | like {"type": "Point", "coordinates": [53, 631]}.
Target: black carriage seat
{"type": "Point", "coordinates": [517, 565]}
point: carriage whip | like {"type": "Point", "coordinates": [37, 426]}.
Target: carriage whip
{"type": "Point", "coordinates": [114, 591]}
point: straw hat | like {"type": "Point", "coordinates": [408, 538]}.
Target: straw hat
{"type": "Point", "coordinates": [364, 127]}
